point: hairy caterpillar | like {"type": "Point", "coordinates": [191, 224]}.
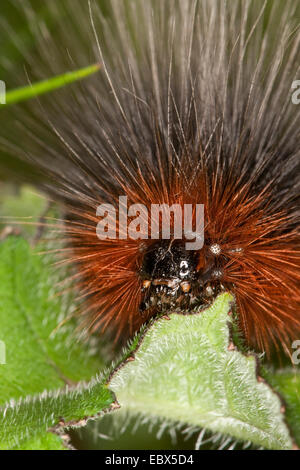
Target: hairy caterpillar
{"type": "Point", "coordinates": [193, 105]}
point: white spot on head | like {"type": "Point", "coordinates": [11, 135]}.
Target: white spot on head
{"type": "Point", "coordinates": [184, 269]}
{"type": "Point", "coordinates": [215, 249]}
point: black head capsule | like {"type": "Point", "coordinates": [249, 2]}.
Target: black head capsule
{"type": "Point", "coordinates": [174, 277]}
{"type": "Point", "coordinates": [169, 260]}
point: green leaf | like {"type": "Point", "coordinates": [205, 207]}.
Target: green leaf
{"type": "Point", "coordinates": [287, 384]}
{"type": "Point", "coordinates": [25, 423]}
{"type": "Point", "coordinates": [46, 441]}
{"type": "Point", "coordinates": [186, 370]}
{"type": "Point", "coordinates": [43, 364]}
{"type": "Point", "coordinates": [46, 86]}
{"type": "Point", "coordinates": [39, 355]}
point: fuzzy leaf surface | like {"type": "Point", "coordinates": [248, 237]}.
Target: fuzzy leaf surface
{"type": "Point", "coordinates": [185, 371]}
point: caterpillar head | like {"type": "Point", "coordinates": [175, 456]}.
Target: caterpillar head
{"type": "Point", "coordinates": [174, 277]}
